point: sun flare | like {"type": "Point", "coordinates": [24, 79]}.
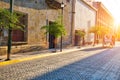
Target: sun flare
{"type": "Point", "coordinates": [117, 21]}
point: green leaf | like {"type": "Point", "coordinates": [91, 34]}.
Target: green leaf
{"type": "Point", "coordinates": [55, 29]}
{"type": "Point", "coordinates": [9, 20]}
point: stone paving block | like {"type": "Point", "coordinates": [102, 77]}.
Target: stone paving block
{"type": "Point", "coordinates": [80, 65]}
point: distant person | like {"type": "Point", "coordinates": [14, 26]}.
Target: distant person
{"type": "Point", "coordinates": [113, 39]}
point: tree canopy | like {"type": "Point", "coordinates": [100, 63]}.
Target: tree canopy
{"type": "Point", "coordinates": [9, 20]}
{"type": "Point", "coordinates": [99, 30]}
{"type": "Point", "coordinates": [55, 29]}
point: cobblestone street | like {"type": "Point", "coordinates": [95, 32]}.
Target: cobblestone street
{"type": "Point", "coordinates": [59, 39]}
{"type": "Point", "coordinates": [87, 64]}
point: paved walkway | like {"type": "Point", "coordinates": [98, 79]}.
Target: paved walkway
{"type": "Point", "coordinates": [20, 57]}
{"type": "Point", "coordinates": [93, 63]}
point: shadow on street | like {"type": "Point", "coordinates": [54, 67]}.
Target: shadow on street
{"type": "Point", "coordinates": [81, 69]}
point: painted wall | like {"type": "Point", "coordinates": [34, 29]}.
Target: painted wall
{"type": "Point", "coordinates": [85, 17]}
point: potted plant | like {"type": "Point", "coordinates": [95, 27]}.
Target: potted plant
{"type": "Point", "coordinates": [56, 29]}
{"type": "Point", "coordinates": [81, 34]}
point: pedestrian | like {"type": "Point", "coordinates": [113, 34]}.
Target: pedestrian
{"type": "Point", "coordinates": [113, 40]}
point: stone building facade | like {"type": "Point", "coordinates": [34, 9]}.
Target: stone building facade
{"type": "Point", "coordinates": [104, 18]}
{"type": "Point", "coordinates": [38, 13]}
{"type": "Point", "coordinates": [85, 17]}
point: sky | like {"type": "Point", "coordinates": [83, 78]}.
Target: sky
{"type": "Point", "coordinates": [114, 7]}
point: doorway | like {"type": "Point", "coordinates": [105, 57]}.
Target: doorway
{"type": "Point", "coordinates": [51, 41]}
{"type": "Point", "coordinates": [51, 38]}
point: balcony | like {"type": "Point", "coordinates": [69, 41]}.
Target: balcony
{"type": "Point", "coordinates": [55, 4]}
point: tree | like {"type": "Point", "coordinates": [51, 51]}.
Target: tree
{"type": "Point", "coordinates": [9, 21]}
{"type": "Point", "coordinates": [56, 29]}
{"type": "Point", "coordinates": [99, 30]}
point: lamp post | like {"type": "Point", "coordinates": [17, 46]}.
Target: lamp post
{"type": "Point", "coordinates": [10, 33]}
{"type": "Point", "coordinates": [62, 6]}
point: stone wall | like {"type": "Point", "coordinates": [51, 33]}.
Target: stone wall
{"type": "Point", "coordinates": [36, 17]}
{"type": "Point", "coordinates": [38, 12]}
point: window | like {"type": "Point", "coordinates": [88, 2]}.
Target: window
{"type": "Point", "coordinates": [19, 35]}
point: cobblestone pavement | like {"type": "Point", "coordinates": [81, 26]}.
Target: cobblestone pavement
{"type": "Point", "coordinates": [86, 64]}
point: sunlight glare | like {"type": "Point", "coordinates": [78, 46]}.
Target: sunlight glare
{"type": "Point", "coordinates": [117, 21]}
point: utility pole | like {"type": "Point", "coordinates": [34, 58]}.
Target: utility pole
{"type": "Point", "coordinates": [10, 33]}
{"type": "Point", "coordinates": [73, 22]}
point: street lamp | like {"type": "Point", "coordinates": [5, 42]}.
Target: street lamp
{"type": "Point", "coordinates": [62, 6]}
{"type": "Point", "coordinates": [10, 33]}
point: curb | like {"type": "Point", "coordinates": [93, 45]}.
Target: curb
{"type": "Point", "coordinates": [5, 63]}
{"type": "Point", "coordinates": [38, 56]}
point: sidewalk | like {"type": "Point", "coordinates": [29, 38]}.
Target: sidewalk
{"type": "Point", "coordinates": [20, 57]}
